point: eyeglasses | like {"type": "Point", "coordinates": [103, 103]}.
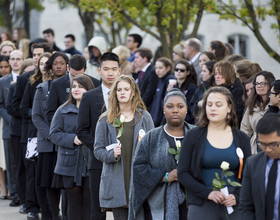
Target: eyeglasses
{"type": "Point", "coordinates": [272, 93]}
{"type": "Point", "coordinates": [181, 70]}
{"type": "Point", "coordinates": [272, 146]}
{"type": "Point", "coordinates": [261, 84]}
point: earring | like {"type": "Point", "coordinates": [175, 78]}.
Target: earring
{"type": "Point", "coordinates": [163, 112]}
{"type": "Point", "coordinates": [228, 116]}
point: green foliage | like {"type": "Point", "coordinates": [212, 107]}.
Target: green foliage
{"type": "Point", "coordinates": [172, 151]}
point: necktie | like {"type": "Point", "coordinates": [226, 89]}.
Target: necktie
{"type": "Point", "coordinates": [141, 76]}
{"type": "Point", "coordinates": [270, 191]}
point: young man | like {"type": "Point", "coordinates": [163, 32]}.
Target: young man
{"type": "Point", "coordinates": [69, 42]}
{"type": "Point", "coordinates": [147, 78]}
{"type": "Point", "coordinates": [49, 37]}
{"type": "Point", "coordinates": [16, 60]}
{"type": "Point", "coordinates": [191, 51]}
{"type": "Point", "coordinates": [93, 104]}
{"type": "Point", "coordinates": [259, 197]}
{"type": "Point", "coordinates": [7, 47]}
{"type": "Point", "coordinates": [274, 96]}
{"type": "Point", "coordinates": [133, 42]}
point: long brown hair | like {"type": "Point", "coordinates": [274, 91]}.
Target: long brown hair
{"type": "Point", "coordinates": [203, 120]}
{"type": "Point", "coordinates": [38, 75]}
{"type": "Point", "coordinates": [227, 70]}
{"type": "Point", "coordinates": [135, 101]}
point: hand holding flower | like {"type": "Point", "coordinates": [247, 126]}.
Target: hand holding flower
{"type": "Point", "coordinates": [117, 151]}
{"type": "Point", "coordinates": [229, 200]}
{"type": "Point", "coordinates": [216, 196]}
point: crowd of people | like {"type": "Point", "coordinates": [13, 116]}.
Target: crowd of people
{"type": "Point", "coordinates": [107, 130]}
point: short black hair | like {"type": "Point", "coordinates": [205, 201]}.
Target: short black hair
{"type": "Point", "coordinates": [70, 36]}
{"type": "Point", "coordinates": [109, 56]}
{"type": "Point", "coordinates": [268, 124]}
{"type": "Point", "coordinates": [137, 38]}
{"type": "Point", "coordinates": [45, 46]}
{"type": "Point", "coordinates": [48, 66]}
{"type": "Point", "coordinates": [49, 31]}
{"type": "Point", "coordinates": [4, 58]}
{"type": "Point", "coordinates": [276, 86]}
{"type": "Point", "coordinates": [77, 62]}
{"type": "Point", "coordinates": [175, 92]}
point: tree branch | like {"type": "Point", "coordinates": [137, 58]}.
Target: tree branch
{"type": "Point", "coordinates": [198, 19]}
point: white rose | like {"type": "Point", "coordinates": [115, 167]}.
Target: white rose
{"type": "Point", "coordinates": [122, 118]}
{"type": "Point", "coordinates": [225, 165]}
{"type": "Point", "coordinates": [178, 144]}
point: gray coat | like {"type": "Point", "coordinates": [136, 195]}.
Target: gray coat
{"type": "Point", "coordinates": [39, 118]}
{"type": "Point", "coordinates": [4, 88]}
{"type": "Point", "coordinates": [112, 188]}
{"type": "Point", "coordinates": [70, 157]}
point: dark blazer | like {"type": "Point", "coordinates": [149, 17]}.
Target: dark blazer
{"type": "Point", "coordinates": [191, 158]}
{"type": "Point", "coordinates": [4, 88]}
{"type": "Point", "coordinates": [148, 86]}
{"type": "Point", "coordinates": [59, 91]}
{"type": "Point", "coordinates": [91, 107]}
{"type": "Point", "coordinates": [252, 196]}
{"type": "Point", "coordinates": [22, 80]}
{"type": "Point", "coordinates": [15, 122]}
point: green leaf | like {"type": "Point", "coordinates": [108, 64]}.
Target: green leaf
{"type": "Point", "coordinates": [120, 132]}
{"type": "Point", "coordinates": [228, 173]}
{"type": "Point", "coordinates": [118, 122]}
{"type": "Point", "coordinates": [177, 157]}
{"type": "Point", "coordinates": [233, 183]}
{"type": "Point", "coordinates": [116, 126]}
{"type": "Point", "coordinates": [172, 151]}
{"type": "Point", "coordinates": [223, 183]}
{"type": "Point", "coordinates": [217, 183]}
{"type": "Point", "coordinates": [217, 176]}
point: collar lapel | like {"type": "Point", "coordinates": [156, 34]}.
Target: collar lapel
{"type": "Point", "coordinates": [261, 179]}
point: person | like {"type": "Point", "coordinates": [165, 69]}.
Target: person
{"type": "Point", "coordinates": [125, 65]}
{"type": "Point", "coordinates": [5, 36]}
{"type": "Point", "coordinates": [274, 97]}
{"type": "Point", "coordinates": [18, 34]}
{"type": "Point", "coordinates": [69, 42]}
{"type": "Point", "coordinates": [206, 56]}
{"type": "Point", "coordinates": [248, 85]}
{"type": "Point", "coordinates": [36, 41]}
{"type": "Point", "coordinates": [96, 47]}
{"type": "Point", "coordinates": [124, 100]}
{"type": "Point", "coordinates": [178, 53]}
{"type": "Point", "coordinates": [15, 133]}
{"type": "Point", "coordinates": [234, 58]}
{"type": "Point", "coordinates": [70, 171]}
{"type": "Point", "coordinates": [230, 49]}
{"type": "Point", "coordinates": [224, 75]}
{"type": "Point", "coordinates": [133, 42]}
{"type": "Point", "coordinates": [147, 79]}
{"type": "Point", "coordinates": [93, 104]}
{"type": "Point", "coordinates": [61, 88]}
{"type": "Point", "coordinates": [16, 60]}
{"type": "Point", "coordinates": [49, 37]}
{"type": "Point", "coordinates": [207, 82]}
{"type": "Point", "coordinates": [7, 47]}
{"type": "Point", "coordinates": [86, 53]}
{"type": "Point", "coordinates": [57, 66]}
{"type": "Point", "coordinates": [219, 49]}
{"type": "Point", "coordinates": [259, 197]}
{"type": "Point", "coordinates": [191, 51]}
{"type": "Point", "coordinates": [256, 106]}
{"type": "Point", "coordinates": [151, 198]}
{"type": "Point", "coordinates": [186, 82]}
{"type": "Point", "coordinates": [216, 139]}
{"type": "Point", "coordinates": [5, 67]}
{"type": "Point", "coordinates": [246, 69]}
{"type": "Point", "coordinates": [32, 206]}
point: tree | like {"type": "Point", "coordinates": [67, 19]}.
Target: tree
{"type": "Point", "coordinates": [165, 20]}
{"type": "Point", "coordinates": [250, 15]}
{"type": "Point", "coordinates": [10, 15]}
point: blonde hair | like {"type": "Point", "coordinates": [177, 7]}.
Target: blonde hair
{"type": "Point", "coordinates": [122, 53]}
{"type": "Point", "coordinates": [24, 44]}
{"type": "Point", "coordinates": [135, 100]}
{"type": "Point", "coordinates": [247, 69]}
{"type": "Point", "coordinates": [7, 43]}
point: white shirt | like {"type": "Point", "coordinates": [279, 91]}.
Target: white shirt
{"type": "Point", "coordinates": [195, 57]}
{"type": "Point", "coordinates": [146, 67]}
{"type": "Point", "coordinates": [105, 92]}
{"type": "Point", "coordinates": [15, 75]}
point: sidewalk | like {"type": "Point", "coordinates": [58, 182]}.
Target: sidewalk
{"type": "Point", "coordinates": [11, 213]}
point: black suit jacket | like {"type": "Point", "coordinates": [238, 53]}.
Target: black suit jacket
{"type": "Point", "coordinates": [148, 86]}
{"type": "Point", "coordinates": [91, 107]}
{"type": "Point", "coordinates": [252, 196]}
{"type": "Point", "coordinates": [59, 91]}
{"type": "Point", "coordinates": [22, 80]}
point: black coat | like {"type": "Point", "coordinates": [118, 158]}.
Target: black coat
{"type": "Point", "coordinates": [273, 109]}
{"type": "Point", "coordinates": [91, 107]}
{"type": "Point", "coordinates": [22, 80]}
{"type": "Point", "coordinates": [148, 86]}
{"type": "Point", "coordinates": [59, 92]}
{"type": "Point", "coordinates": [15, 122]}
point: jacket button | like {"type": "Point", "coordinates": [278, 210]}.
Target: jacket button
{"type": "Point", "coordinates": [76, 149]}
{"type": "Point", "coordinates": [43, 98]}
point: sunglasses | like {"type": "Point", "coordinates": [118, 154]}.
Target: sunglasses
{"type": "Point", "coordinates": [181, 70]}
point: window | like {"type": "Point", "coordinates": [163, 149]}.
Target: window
{"type": "Point", "coordinates": [240, 44]}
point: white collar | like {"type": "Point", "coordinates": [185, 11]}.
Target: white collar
{"type": "Point", "coordinates": [195, 57]}
{"type": "Point", "coordinates": [146, 67]}
{"type": "Point", "coordinates": [104, 89]}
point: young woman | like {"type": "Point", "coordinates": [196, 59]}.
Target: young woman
{"type": "Point", "coordinates": [216, 139]}
{"type": "Point", "coordinates": [207, 82]}
{"type": "Point", "coordinates": [154, 181]}
{"type": "Point", "coordinates": [4, 36]}
{"type": "Point", "coordinates": [55, 66]}
{"type": "Point", "coordinates": [248, 85]}
{"type": "Point", "coordinates": [204, 57]}
{"type": "Point", "coordinates": [224, 75]}
{"type": "Point", "coordinates": [219, 49]}
{"type": "Point", "coordinates": [5, 67]}
{"type": "Point", "coordinates": [164, 69]}
{"type": "Point", "coordinates": [257, 105]}
{"type": "Point", "coordinates": [178, 53]}
{"type": "Point", "coordinates": [246, 69]}
{"type": "Point", "coordinates": [71, 170]}
{"type": "Point", "coordinates": [125, 100]}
